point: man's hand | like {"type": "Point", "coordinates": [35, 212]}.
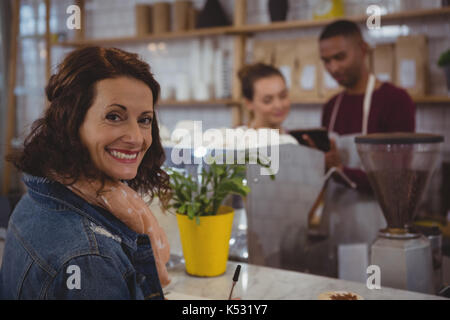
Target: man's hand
{"type": "Point", "coordinates": [309, 141]}
{"type": "Point", "coordinates": [332, 158]}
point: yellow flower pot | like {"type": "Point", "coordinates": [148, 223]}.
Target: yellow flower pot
{"type": "Point", "coordinates": [205, 246]}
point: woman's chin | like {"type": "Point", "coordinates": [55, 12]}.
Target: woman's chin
{"type": "Point", "coordinates": [276, 124]}
{"type": "Point", "coordinates": [123, 175]}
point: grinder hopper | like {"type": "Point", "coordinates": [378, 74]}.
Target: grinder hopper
{"type": "Point", "coordinates": [399, 167]}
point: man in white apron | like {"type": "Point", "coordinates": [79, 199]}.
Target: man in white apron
{"type": "Point", "coordinates": [366, 105]}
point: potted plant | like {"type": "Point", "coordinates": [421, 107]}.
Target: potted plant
{"type": "Point", "coordinates": [204, 223]}
{"type": "Point", "coordinates": [444, 62]}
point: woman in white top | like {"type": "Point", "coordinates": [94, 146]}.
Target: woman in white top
{"type": "Point", "coordinates": [266, 96]}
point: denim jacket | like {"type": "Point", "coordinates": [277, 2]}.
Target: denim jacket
{"type": "Point", "coordinates": [58, 246]}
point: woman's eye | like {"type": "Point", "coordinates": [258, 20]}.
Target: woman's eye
{"type": "Point", "coordinates": [113, 117]}
{"type": "Point", "coordinates": [146, 121]}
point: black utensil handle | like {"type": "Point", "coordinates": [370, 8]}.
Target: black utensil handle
{"type": "Point", "coordinates": [236, 273]}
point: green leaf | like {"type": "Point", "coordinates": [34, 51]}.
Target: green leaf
{"type": "Point", "coordinates": [190, 211]}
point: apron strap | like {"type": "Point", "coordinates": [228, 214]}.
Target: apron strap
{"type": "Point", "coordinates": [367, 103]}
{"type": "Point", "coordinates": [366, 106]}
{"type": "Point", "coordinates": [336, 106]}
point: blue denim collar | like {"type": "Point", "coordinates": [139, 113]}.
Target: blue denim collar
{"type": "Point", "coordinates": [52, 191]}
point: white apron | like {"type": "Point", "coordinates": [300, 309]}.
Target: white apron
{"type": "Point", "coordinates": [354, 217]}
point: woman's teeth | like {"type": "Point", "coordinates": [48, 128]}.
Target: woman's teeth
{"type": "Point", "coordinates": [121, 155]}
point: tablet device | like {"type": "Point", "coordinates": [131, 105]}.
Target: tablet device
{"type": "Point", "coordinates": [318, 135]}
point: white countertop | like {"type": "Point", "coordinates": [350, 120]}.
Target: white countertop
{"type": "Point", "coordinates": [262, 283]}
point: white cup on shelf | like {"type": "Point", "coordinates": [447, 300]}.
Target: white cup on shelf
{"type": "Point", "coordinates": [182, 87]}
{"type": "Point", "coordinates": [201, 91]}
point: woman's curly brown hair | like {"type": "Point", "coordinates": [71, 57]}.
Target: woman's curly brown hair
{"type": "Point", "coordinates": [54, 148]}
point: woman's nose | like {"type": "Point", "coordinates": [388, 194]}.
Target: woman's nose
{"type": "Point", "coordinates": [133, 134]}
{"type": "Point", "coordinates": [278, 104]}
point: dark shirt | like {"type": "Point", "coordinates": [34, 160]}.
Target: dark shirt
{"type": "Point", "coordinates": [392, 110]}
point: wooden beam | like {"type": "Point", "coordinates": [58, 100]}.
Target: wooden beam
{"type": "Point", "coordinates": [240, 17]}
{"type": "Point", "coordinates": [215, 31]}
{"type": "Point", "coordinates": [240, 13]}
{"type": "Point", "coordinates": [11, 107]}
{"type": "Point", "coordinates": [176, 103]}
{"type": "Point", "coordinates": [238, 63]}
{"type": "Point", "coordinates": [80, 33]}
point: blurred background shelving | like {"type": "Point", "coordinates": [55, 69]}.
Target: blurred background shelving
{"type": "Point", "coordinates": [43, 40]}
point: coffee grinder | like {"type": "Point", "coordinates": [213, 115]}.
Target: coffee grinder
{"type": "Point", "coordinates": [399, 167]}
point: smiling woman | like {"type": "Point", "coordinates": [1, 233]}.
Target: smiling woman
{"type": "Point", "coordinates": [266, 95]}
{"type": "Point", "coordinates": [86, 164]}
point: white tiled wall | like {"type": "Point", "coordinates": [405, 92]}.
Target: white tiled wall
{"type": "Point", "coordinates": [216, 116]}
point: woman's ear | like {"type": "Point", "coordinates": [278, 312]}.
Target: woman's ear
{"type": "Point", "coordinates": [249, 111]}
{"type": "Point", "coordinates": [248, 104]}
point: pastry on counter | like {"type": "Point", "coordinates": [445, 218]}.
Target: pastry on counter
{"type": "Point", "coordinates": [339, 295]}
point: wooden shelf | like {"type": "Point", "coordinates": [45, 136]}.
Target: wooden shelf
{"type": "Point", "coordinates": [175, 103]}
{"type": "Point", "coordinates": [32, 36]}
{"type": "Point", "coordinates": [432, 99]}
{"type": "Point", "coordinates": [299, 24]}
{"type": "Point", "coordinates": [230, 102]}
{"type": "Point", "coordinates": [417, 100]}
{"type": "Point", "coordinates": [310, 101]}
{"type": "Point", "coordinates": [151, 37]}
{"type": "Point", "coordinates": [232, 30]}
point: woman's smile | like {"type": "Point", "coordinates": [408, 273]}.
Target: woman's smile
{"type": "Point", "coordinates": [123, 156]}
